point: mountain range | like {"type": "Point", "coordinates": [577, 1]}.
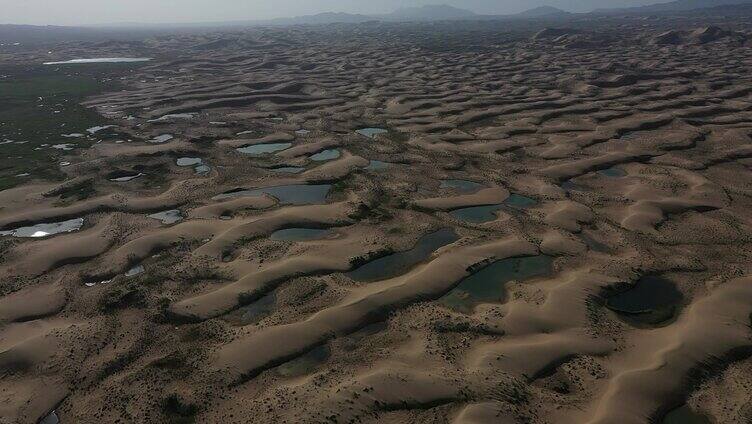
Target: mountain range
{"type": "Point", "coordinates": [29, 33]}
{"type": "Point", "coordinates": [445, 12]}
{"type": "Point", "coordinates": [673, 6]}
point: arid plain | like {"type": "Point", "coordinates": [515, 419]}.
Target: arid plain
{"type": "Point", "coordinates": [435, 222]}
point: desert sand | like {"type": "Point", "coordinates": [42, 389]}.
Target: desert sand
{"type": "Point", "coordinates": [596, 180]}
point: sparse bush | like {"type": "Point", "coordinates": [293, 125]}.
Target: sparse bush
{"type": "Point", "coordinates": [178, 411]}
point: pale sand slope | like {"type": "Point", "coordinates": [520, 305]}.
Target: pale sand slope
{"type": "Point", "coordinates": [617, 157]}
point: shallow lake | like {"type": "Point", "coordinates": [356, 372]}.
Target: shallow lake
{"type": "Point", "coordinates": [164, 138]}
{"type": "Point", "coordinates": [489, 284]}
{"type": "Point", "coordinates": [651, 301]}
{"type": "Point", "coordinates": [371, 132]}
{"type": "Point", "coordinates": [325, 155]}
{"type": "Point", "coordinates": [127, 176]}
{"type": "Point", "coordinates": [476, 214]}
{"type": "Point", "coordinates": [288, 169]}
{"type": "Point", "coordinates": [294, 194]}
{"type": "Point", "coordinates": [399, 263]}
{"type": "Point", "coordinates": [52, 418]}
{"type": "Point", "coordinates": [101, 60]}
{"type": "Point", "coordinates": [613, 172]}
{"type": "Point", "coordinates": [198, 164]}
{"type": "Point", "coordinates": [520, 202]}
{"type": "Point", "coordinates": [262, 149]}
{"type": "Point", "coordinates": [202, 169]}
{"type": "Point", "coordinates": [138, 269]}
{"type": "Point", "coordinates": [173, 117]}
{"type": "Point", "coordinates": [463, 186]}
{"type": "Point", "coordinates": [168, 217]}
{"type": "Point", "coordinates": [377, 165]}
{"type": "Point", "coordinates": [46, 229]}
{"type": "Point", "coordinates": [189, 161]}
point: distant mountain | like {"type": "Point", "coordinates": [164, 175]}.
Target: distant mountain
{"type": "Point", "coordinates": [673, 6]}
{"type": "Point", "coordinates": [429, 13]}
{"type": "Point", "coordinates": [423, 13]}
{"type": "Point", "coordinates": [320, 18]}
{"type": "Point", "coordinates": [543, 12]}
{"type": "Point", "coordinates": [11, 34]}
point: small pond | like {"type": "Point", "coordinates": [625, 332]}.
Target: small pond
{"type": "Point", "coordinates": [371, 132]}
{"type": "Point", "coordinates": [46, 229]}
{"type": "Point", "coordinates": [288, 169]}
{"type": "Point", "coordinates": [262, 149]}
{"type": "Point", "coordinates": [164, 138]}
{"type": "Point", "coordinates": [377, 165]}
{"type": "Point", "coordinates": [168, 217]}
{"type": "Point", "coordinates": [520, 202]}
{"type": "Point", "coordinates": [463, 186]}
{"type": "Point", "coordinates": [399, 263]}
{"type": "Point", "coordinates": [613, 172]}
{"type": "Point", "coordinates": [489, 284]}
{"type": "Point", "coordinates": [651, 301]}
{"type": "Point", "coordinates": [326, 155]}
{"type": "Point", "coordinates": [294, 194]}
{"type": "Point", "coordinates": [100, 60]}
{"type": "Point", "coordinates": [476, 214]}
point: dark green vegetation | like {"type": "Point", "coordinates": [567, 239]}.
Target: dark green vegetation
{"type": "Point", "coordinates": [178, 411]}
{"type": "Point", "coordinates": [306, 363]}
{"type": "Point", "coordinates": [40, 103]}
{"type": "Point", "coordinates": [76, 190]}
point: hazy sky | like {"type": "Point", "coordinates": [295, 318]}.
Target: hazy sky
{"type": "Point", "coordinates": [72, 12]}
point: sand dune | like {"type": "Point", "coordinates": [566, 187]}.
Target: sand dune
{"type": "Point", "coordinates": [450, 222]}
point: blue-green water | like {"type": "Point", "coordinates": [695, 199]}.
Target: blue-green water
{"type": "Point", "coordinates": [371, 132]}
{"type": "Point", "coordinates": [399, 263]}
{"type": "Point", "coordinates": [519, 201]}
{"type": "Point", "coordinates": [377, 165]}
{"type": "Point", "coordinates": [476, 214]}
{"type": "Point", "coordinates": [488, 284]}
{"type": "Point", "coordinates": [167, 217]}
{"type": "Point", "coordinates": [289, 169]}
{"type": "Point", "coordinates": [262, 149]}
{"type": "Point", "coordinates": [613, 172]}
{"type": "Point", "coordinates": [294, 194]}
{"type": "Point", "coordinates": [188, 161]}
{"type": "Point", "coordinates": [325, 155]}
{"type": "Point", "coordinates": [652, 300]}
{"type": "Point", "coordinates": [463, 186]}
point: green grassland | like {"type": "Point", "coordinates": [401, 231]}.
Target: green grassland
{"type": "Point", "coordinates": [40, 103]}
